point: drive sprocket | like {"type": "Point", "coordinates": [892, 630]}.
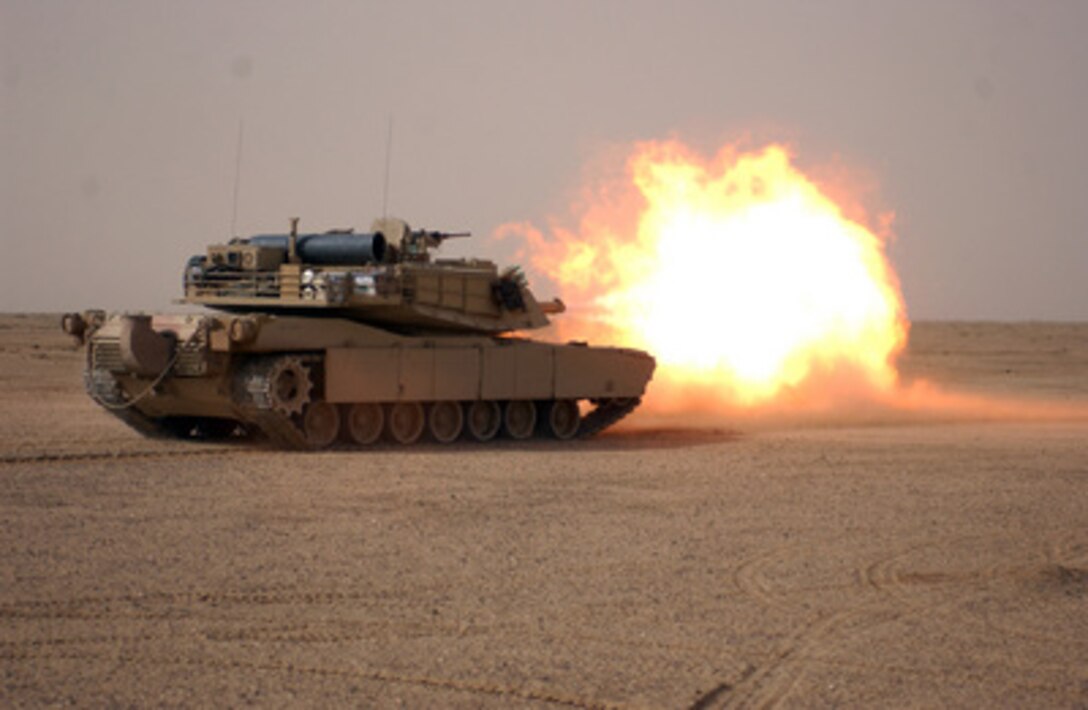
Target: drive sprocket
{"type": "Point", "coordinates": [287, 385]}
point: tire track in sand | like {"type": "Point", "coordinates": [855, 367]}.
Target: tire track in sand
{"type": "Point", "coordinates": [53, 456]}
{"type": "Point", "coordinates": [92, 646]}
{"type": "Point", "coordinates": [377, 675]}
{"type": "Point", "coordinates": [156, 604]}
{"type": "Point", "coordinates": [886, 599]}
{"type": "Point", "coordinates": [1061, 575]}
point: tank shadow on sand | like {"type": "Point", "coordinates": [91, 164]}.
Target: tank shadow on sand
{"type": "Point", "coordinates": [622, 440]}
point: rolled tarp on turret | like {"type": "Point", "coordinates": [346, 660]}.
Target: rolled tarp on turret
{"type": "Point", "coordinates": [329, 249]}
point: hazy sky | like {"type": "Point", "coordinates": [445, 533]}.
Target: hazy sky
{"type": "Point", "coordinates": [120, 124]}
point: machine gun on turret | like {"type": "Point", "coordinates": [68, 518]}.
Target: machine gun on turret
{"type": "Point", "coordinates": [410, 245]}
{"type": "Point", "coordinates": [416, 244]}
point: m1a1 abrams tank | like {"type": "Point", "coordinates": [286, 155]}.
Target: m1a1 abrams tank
{"type": "Point", "coordinates": [358, 337]}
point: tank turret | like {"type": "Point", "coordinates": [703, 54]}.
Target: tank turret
{"type": "Point", "coordinates": [386, 277]}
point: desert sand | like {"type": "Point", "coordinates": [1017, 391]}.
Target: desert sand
{"type": "Point", "coordinates": [930, 560]}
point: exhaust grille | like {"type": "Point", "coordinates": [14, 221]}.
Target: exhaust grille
{"type": "Point", "coordinates": [106, 355]}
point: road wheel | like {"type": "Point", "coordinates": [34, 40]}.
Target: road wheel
{"type": "Point", "coordinates": [405, 422]}
{"type": "Point", "coordinates": [320, 423]}
{"type": "Point", "coordinates": [519, 419]}
{"type": "Point", "coordinates": [365, 422]}
{"type": "Point", "coordinates": [484, 420]}
{"type": "Point", "coordinates": [564, 418]}
{"type": "Point", "coordinates": [445, 421]}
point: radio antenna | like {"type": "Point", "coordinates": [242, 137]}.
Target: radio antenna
{"type": "Point", "coordinates": [388, 160]}
{"type": "Point", "coordinates": [237, 178]}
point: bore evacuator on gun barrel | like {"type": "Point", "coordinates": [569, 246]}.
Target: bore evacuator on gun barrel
{"type": "Point", "coordinates": [355, 337]}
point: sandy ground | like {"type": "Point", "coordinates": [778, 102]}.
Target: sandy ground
{"type": "Point", "coordinates": [929, 562]}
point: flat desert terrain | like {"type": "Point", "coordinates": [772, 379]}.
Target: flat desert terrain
{"type": "Point", "coordinates": [926, 560]}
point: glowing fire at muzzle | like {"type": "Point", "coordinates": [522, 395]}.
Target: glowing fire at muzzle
{"type": "Point", "coordinates": [739, 275]}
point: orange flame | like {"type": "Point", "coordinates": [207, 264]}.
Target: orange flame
{"type": "Point", "coordinates": [745, 280]}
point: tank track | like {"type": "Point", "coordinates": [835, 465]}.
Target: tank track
{"type": "Point", "coordinates": [252, 387]}
{"type": "Point", "coordinates": [278, 428]}
{"type": "Point", "coordinates": [104, 390]}
{"type": "Point", "coordinates": [606, 414]}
